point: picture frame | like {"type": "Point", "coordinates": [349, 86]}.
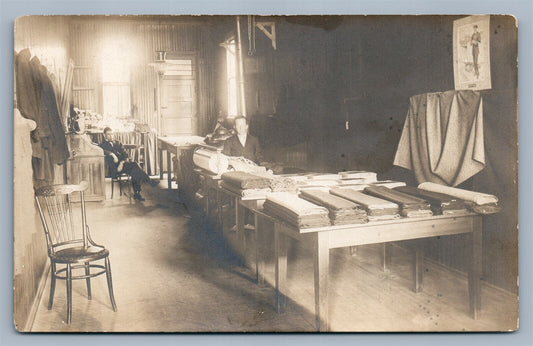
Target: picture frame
{"type": "Point", "coordinates": [471, 53]}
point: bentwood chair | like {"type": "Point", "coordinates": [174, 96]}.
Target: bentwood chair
{"type": "Point", "coordinates": [69, 244]}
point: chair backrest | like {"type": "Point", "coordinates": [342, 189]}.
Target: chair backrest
{"type": "Point", "coordinates": [59, 218]}
{"type": "Point", "coordinates": [132, 151]}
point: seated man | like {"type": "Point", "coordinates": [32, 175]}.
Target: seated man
{"type": "Point", "coordinates": [243, 144]}
{"type": "Point", "coordinates": [118, 161]}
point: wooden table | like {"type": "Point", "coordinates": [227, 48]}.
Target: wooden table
{"type": "Point", "coordinates": [325, 238]}
{"type": "Point", "coordinates": [211, 182]}
{"type": "Point", "coordinates": [174, 145]}
{"type": "Point", "coordinates": [251, 203]}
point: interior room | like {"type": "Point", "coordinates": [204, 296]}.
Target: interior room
{"type": "Point", "coordinates": [338, 111]}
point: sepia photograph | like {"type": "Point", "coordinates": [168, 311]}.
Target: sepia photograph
{"type": "Point", "coordinates": [265, 173]}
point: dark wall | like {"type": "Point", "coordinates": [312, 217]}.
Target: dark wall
{"type": "Point", "coordinates": [342, 86]}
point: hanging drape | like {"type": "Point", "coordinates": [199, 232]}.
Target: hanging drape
{"type": "Point", "coordinates": [442, 138]}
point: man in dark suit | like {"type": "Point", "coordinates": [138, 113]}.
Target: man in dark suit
{"type": "Point", "coordinates": [118, 161]}
{"type": "Point", "coordinates": [243, 144]}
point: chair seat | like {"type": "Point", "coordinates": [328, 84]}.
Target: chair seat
{"type": "Point", "coordinates": [79, 254]}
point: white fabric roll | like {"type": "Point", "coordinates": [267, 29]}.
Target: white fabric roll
{"type": "Point", "coordinates": [211, 161]}
{"type": "Point", "coordinates": [476, 197]}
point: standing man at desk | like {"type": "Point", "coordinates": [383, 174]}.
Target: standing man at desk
{"type": "Point", "coordinates": [243, 144]}
{"type": "Point", "coordinates": [118, 161]}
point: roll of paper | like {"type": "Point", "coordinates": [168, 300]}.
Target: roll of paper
{"type": "Point", "coordinates": [211, 161]}
{"type": "Point", "coordinates": [476, 197]}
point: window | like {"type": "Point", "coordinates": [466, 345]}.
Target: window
{"type": "Point", "coordinates": [115, 80]}
{"type": "Point", "coordinates": [231, 61]}
{"type": "Point", "coordinates": [178, 67]}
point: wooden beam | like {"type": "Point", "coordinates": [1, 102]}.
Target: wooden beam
{"type": "Point", "coordinates": [272, 34]}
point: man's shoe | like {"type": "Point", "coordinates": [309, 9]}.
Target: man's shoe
{"type": "Point", "coordinates": [138, 197]}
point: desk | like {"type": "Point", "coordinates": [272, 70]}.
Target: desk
{"type": "Point", "coordinates": [174, 145]}
{"type": "Point", "coordinates": [325, 238]}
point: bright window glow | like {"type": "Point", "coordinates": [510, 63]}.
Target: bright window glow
{"type": "Point", "coordinates": [231, 61]}
{"type": "Point", "coordinates": [115, 66]}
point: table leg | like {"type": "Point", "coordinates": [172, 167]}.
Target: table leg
{"type": "Point", "coordinates": [144, 139]}
{"type": "Point", "coordinates": [169, 170]}
{"type": "Point", "coordinates": [160, 151]}
{"type": "Point", "coordinates": [280, 253]}
{"type": "Point", "coordinates": [207, 194]}
{"type": "Point", "coordinates": [418, 270]}
{"type": "Point", "coordinates": [321, 281]}
{"type": "Point", "coordinates": [258, 255]}
{"type": "Point", "coordinates": [178, 167]}
{"type": "Point", "coordinates": [474, 274]}
{"type": "Point", "coordinates": [239, 220]}
{"type": "Point", "coordinates": [220, 216]}
{"type": "Point", "coordinates": [385, 257]}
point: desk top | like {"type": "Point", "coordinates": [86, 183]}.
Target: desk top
{"type": "Point", "coordinates": [181, 141]}
{"type": "Point", "coordinates": [370, 224]}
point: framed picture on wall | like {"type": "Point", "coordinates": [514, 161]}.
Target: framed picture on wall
{"type": "Point", "coordinates": [471, 53]}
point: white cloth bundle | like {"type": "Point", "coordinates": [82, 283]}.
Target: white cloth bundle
{"type": "Point", "coordinates": [323, 176]}
{"type": "Point", "coordinates": [211, 161]}
{"type": "Point", "coordinates": [296, 204]}
{"type": "Point", "coordinates": [476, 197]}
{"type": "Point", "coordinates": [241, 164]}
{"type": "Point", "coordinates": [369, 177]}
{"type": "Point", "coordinates": [391, 184]}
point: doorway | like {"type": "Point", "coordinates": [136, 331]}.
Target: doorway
{"type": "Point", "coordinates": [178, 98]}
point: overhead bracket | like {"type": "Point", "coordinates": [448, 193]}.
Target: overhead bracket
{"type": "Point", "coordinates": [272, 34]}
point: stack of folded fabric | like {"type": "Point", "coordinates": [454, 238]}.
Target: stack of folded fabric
{"type": "Point", "coordinates": [349, 182]}
{"type": "Point", "coordinates": [410, 206]}
{"type": "Point", "coordinates": [367, 177]}
{"type": "Point", "coordinates": [279, 183]}
{"type": "Point", "coordinates": [355, 187]}
{"type": "Point", "coordinates": [391, 184]}
{"type": "Point", "coordinates": [245, 180]}
{"type": "Point", "coordinates": [441, 204]}
{"type": "Point", "coordinates": [323, 176]}
{"type": "Point", "coordinates": [341, 211]}
{"type": "Point", "coordinates": [296, 211]}
{"type": "Point", "coordinates": [376, 208]}
{"type": "Point", "coordinates": [481, 203]}
{"type": "Point", "coordinates": [314, 187]}
{"type": "Point", "coordinates": [295, 177]}
{"type": "Point", "coordinates": [245, 184]}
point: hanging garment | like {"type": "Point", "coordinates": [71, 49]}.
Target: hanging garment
{"type": "Point", "coordinates": [28, 91]}
{"type": "Point", "coordinates": [51, 129]}
{"type": "Point", "coordinates": [442, 138]}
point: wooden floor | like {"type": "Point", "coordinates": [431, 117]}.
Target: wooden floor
{"type": "Point", "coordinates": [172, 273]}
